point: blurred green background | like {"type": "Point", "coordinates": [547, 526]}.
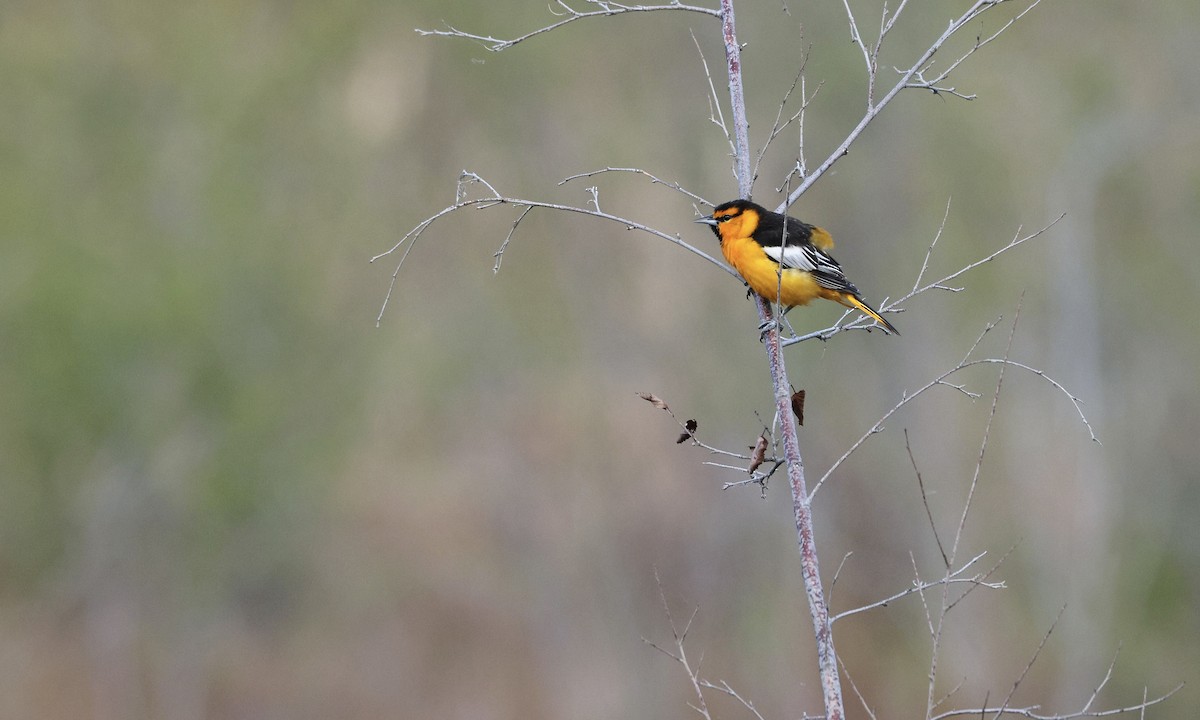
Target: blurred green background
{"type": "Point", "coordinates": [225, 494]}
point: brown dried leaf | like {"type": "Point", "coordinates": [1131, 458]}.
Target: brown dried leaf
{"type": "Point", "coordinates": [654, 400]}
{"type": "Point", "coordinates": [759, 454]}
{"type": "Point", "coordinates": [798, 405]}
{"type": "Point", "coordinates": [690, 431]}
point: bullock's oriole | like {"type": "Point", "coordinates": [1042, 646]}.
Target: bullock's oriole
{"type": "Point", "coordinates": [783, 259]}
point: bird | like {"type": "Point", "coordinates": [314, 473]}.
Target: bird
{"type": "Point", "coordinates": [783, 259]}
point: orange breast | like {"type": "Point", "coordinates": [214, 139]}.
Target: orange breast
{"type": "Point", "coordinates": [796, 287]}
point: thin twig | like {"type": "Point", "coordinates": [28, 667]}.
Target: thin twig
{"type": "Point", "coordinates": [1031, 711]}
{"type": "Point", "coordinates": [800, 168]}
{"type": "Point", "coordinates": [725, 688]}
{"type": "Point", "coordinates": [495, 198]}
{"type": "Point", "coordinates": [780, 124]}
{"type": "Point", "coordinates": [921, 82]}
{"type": "Point", "coordinates": [607, 9]}
{"type": "Point", "coordinates": [857, 692]}
{"type": "Point", "coordinates": [929, 253]}
{"type": "Point", "coordinates": [1029, 665]}
{"type": "Point", "coordinates": [946, 604]}
{"type": "Point", "coordinates": [906, 79]}
{"type": "Point", "coordinates": [991, 571]}
{"type": "Point", "coordinates": [715, 115]}
{"type": "Point", "coordinates": [940, 380]}
{"type": "Point", "coordinates": [836, 574]}
{"type": "Point", "coordinates": [638, 171]}
{"type": "Point", "coordinates": [680, 654]}
{"type": "Point", "coordinates": [923, 585]}
{"type": "Point", "coordinates": [941, 284]}
{"type": "Point", "coordinates": [987, 431]}
{"type": "Point", "coordinates": [925, 499]}
{"type": "Point", "coordinates": [499, 254]}
{"type": "Point", "coordinates": [864, 323]}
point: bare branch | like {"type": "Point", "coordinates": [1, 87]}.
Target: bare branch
{"type": "Point", "coordinates": [987, 430]}
{"type": "Point", "coordinates": [946, 605]}
{"type": "Point", "coordinates": [922, 586]}
{"type": "Point", "coordinates": [857, 693]}
{"type": "Point", "coordinates": [918, 78]}
{"type": "Point", "coordinates": [929, 253]}
{"type": "Point", "coordinates": [941, 284]}
{"type": "Point", "coordinates": [725, 688]}
{"type": "Point", "coordinates": [780, 124]}
{"type": "Point", "coordinates": [991, 571]}
{"type": "Point", "coordinates": [907, 79]}
{"type": "Point", "coordinates": [925, 499]}
{"type": "Point", "coordinates": [638, 171]}
{"type": "Point", "coordinates": [836, 574]}
{"type": "Point", "coordinates": [1040, 373]}
{"type": "Point", "coordinates": [940, 380]}
{"type": "Point", "coordinates": [680, 655]}
{"type": "Point", "coordinates": [856, 38]}
{"type": "Point", "coordinates": [570, 15]}
{"type": "Point", "coordinates": [499, 254]}
{"type": "Point", "coordinates": [861, 322]}
{"type": "Point", "coordinates": [1031, 711]}
{"type": "Point", "coordinates": [1028, 666]}
{"type": "Point", "coordinates": [462, 201]}
{"type": "Point", "coordinates": [715, 115]}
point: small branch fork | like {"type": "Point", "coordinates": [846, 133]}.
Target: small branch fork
{"type": "Point", "coordinates": [919, 75]}
{"type": "Point", "coordinates": [756, 460]}
{"type": "Point", "coordinates": [943, 380]}
{"type": "Point", "coordinates": [679, 655]}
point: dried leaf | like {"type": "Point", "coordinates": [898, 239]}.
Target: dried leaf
{"type": "Point", "coordinates": [690, 428]}
{"type": "Point", "coordinates": [654, 400]}
{"type": "Point", "coordinates": [798, 405]}
{"type": "Point", "coordinates": [759, 454]}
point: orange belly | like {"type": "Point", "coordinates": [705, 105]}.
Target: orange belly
{"type": "Point", "coordinates": [792, 287]}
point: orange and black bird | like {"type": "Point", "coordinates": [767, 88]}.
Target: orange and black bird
{"type": "Point", "coordinates": [783, 259]}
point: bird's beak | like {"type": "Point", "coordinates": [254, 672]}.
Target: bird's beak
{"type": "Point", "coordinates": [707, 220]}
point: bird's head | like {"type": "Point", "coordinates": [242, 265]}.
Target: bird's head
{"type": "Point", "coordinates": [734, 219]}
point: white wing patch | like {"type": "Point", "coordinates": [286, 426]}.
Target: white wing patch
{"type": "Point", "coordinates": [799, 257]}
{"type": "Point", "coordinates": [809, 258]}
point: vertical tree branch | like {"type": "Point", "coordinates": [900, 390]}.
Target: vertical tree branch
{"type": "Point", "coordinates": [737, 100]}
{"type": "Point", "coordinates": [831, 688]}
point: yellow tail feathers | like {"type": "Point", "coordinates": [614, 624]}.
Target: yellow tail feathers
{"type": "Point", "coordinates": [852, 301]}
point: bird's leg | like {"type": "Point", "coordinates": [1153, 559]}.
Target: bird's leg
{"type": "Point", "coordinates": [772, 323]}
{"type": "Point", "coordinates": [778, 321]}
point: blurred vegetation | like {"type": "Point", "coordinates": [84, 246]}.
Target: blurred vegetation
{"type": "Point", "coordinates": [227, 495]}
